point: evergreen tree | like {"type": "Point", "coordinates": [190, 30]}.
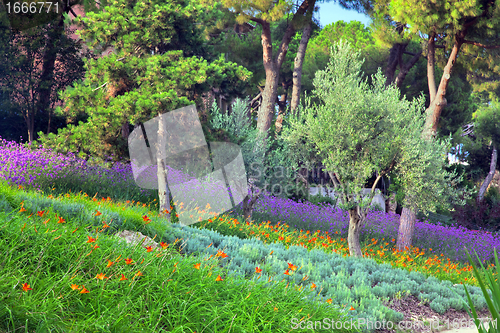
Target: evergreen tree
{"type": "Point", "coordinates": [145, 77]}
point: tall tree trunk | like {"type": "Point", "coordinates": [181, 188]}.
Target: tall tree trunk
{"type": "Point", "coordinates": [439, 102]}
{"type": "Point", "coordinates": [489, 177]}
{"type": "Point", "coordinates": [408, 216]}
{"type": "Point", "coordinates": [48, 125]}
{"type": "Point", "coordinates": [30, 123]}
{"type": "Point", "coordinates": [431, 80]}
{"type": "Point", "coordinates": [395, 54]}
{"type": "Point", "coordinates": [297, 65]}
{"type": "Point", "coordinates": [353, 233]}
{"type": "Point", "coordinates": [48, 65]}
{"type": "Point", "coordinates": [396, 59]}
{"type": "Point", "coordinates": [405, 69]}
{"type": "Point", "coordinates": [161, 172]}
{"type": "Point", "coordinates": [270, 93]}
{"type": "Point", "coordinates": [272, 65]}
{"type": "Point", "coordinates": [125, 130]}
{"type": "Point", "coordinates": [406, 229]}
{"type": "Point", "coordinates": [282, 107]}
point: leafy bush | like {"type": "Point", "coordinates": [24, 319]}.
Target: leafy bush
{"type": "Point", "coordinates": [4, 204]}
{"type": "Point", "coordinates": [483, 215]}
{"type": "Point", "coordinates": [318, 199]}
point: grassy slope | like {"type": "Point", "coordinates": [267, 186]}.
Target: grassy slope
{"type": "Point", "coordinates": [74, 290]}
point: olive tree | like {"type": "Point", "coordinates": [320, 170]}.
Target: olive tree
{"type": "Point", "coordinates": [358, 129]}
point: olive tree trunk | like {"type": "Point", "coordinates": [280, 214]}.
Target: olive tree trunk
{"type": "Point", "coordinates": [406, 229]}
{"type": "Point", "coordinates": [250, 200]}
{"type": "Point", "coordinates": [355, 225]}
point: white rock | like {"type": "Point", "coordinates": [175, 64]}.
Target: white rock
{"type": "Point", "coordinates": [132, 238]}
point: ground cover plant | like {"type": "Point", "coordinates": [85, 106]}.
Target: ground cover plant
{"type": "Point", "coordinates": [416, 259]}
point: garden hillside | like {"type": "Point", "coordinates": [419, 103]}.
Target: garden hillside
{"type": "Point", "coordinates": [64, 271]}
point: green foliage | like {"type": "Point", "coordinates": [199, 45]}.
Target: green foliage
{"type": "Point", "coordinates": [266, 10]}
{"type": "Point", "coordinates": [238, 123]}
{"type": "Point", "coordinates": [491, 295]}
{"type": "Point", "coordinates": [347, 280]}
{"type": "Point", "coordinates": [132, 87]}
{"type": "Point", "coordinates": [132, 26]}
{"type": "Point", "coordinates": [4, 204]}
{"type": "Point", "coordinates": [318, 49]}
{"type": "Point", "coordinates": [264, 164]}
{"type": "Point", "coordinates": [360, 129]}
{"type": "Point", "coordinates": [320, 200]}
{"type": "Point", "coordinates": [22, 68]}
{"type": "Point", "coordinates": [487, 122]}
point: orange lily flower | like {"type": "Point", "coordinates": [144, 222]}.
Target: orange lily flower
{"type": "Point", "coordinates": [287, 272]}
{"type": "Point", "coordinates": [221, 254]}
{"type": "Point", "coordinates": [292, 267]}
{"type": "Point", "coordinates": [75, 287]}
{"type": "Point", "coordinates": [91, 240]}
{"type": "Point", "coordinates": [123, 278]}
{"type": "Point", "coordinates": [101, 276]}
{"type": "Point", "coordinates": [61, 220]}
{"type": "Point", "coordinates": [163, 245]}
{"type": "Point", "coordinates": [110, 263]}
{"type": "Point", "coordinates": [149, 248]}
{"type": "Point", "coordinates": [313, 286]}
{"type": "Point", "coordinates": [84, 290]}
{"type": "Point", "coordinates": [329, 301]}
{"type": "Point", "coordinates": [197, 266]}
{"type": "Point", "coordinates": [40, 213]}
{"type": "Point", "coordinates": [219, 278]}
{"type": "Point", "coordinates": [128, 261]}
{"type": "Point", "coordinates": [98, 213]}
{"type": "Point", "coordinates": [26, 287]}
{"type": "Point", "coordinates": [258, 270]}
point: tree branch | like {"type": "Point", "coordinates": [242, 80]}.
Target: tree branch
{"type": "Point", "coordinates": [257, 20]}
{"type": "Point", "coordinates": [290, 31]}
{"type": "Point", "coordinates": [414, 54]}
{"type": "Point", "coordinates": [481, 45]}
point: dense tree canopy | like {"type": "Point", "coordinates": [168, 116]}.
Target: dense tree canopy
{"type": "Point", "coordinates": [132, 85]}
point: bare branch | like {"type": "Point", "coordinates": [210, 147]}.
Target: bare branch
{"type": "Point", "coordinates": [481, 45]}
{"type": "Point", "coordinates": [102, 85]}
